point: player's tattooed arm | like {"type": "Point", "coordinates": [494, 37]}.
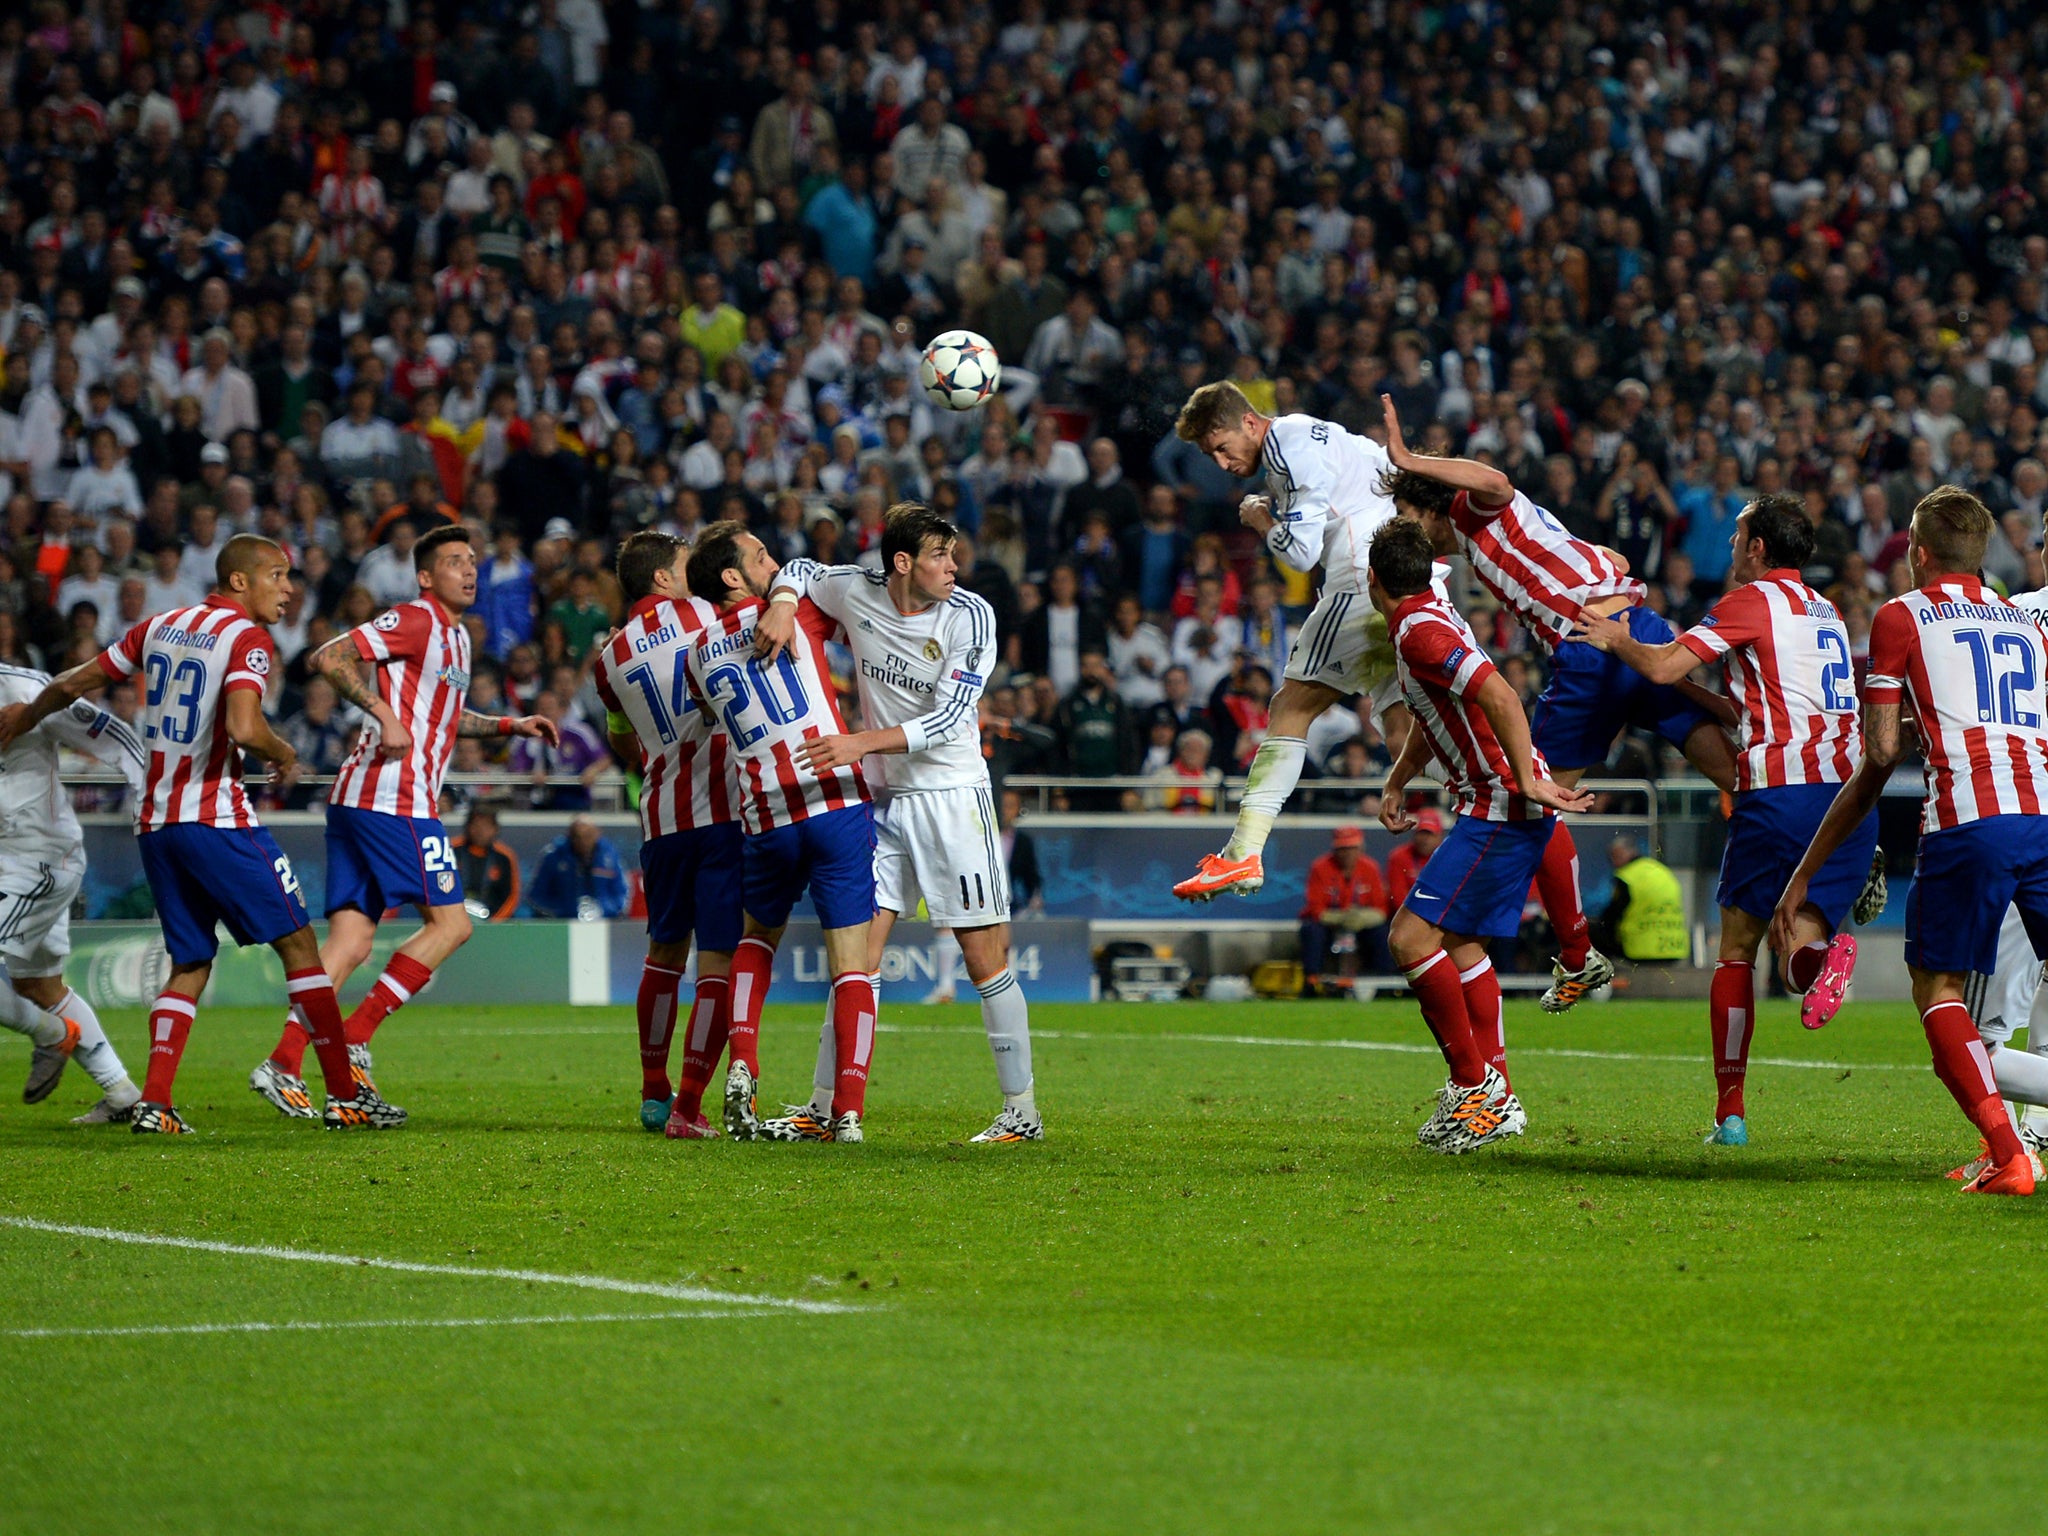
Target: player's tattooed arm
{"type": "Point", "coordinates": [474, 724]}
{"type": "Point", "coordinates": [17, 720]}
{"type": "Point", "coordinates": [337, 662]}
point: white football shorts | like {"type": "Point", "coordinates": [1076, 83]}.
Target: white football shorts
{"type": "Point", "coordinates": [2002, 1003]}
{"type": "Point", "coordinates": [35, 913]}
{"type": "Point", "coordinates": [943, 845]}
{"type": "Point", "coordinates": [1343, 645]}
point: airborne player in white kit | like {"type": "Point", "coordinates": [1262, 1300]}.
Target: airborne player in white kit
{"type": "Point", "coordinates": [1326, 503]}
{"type": "Point", "coordinates": [42, 862]}
{"type": "Point", "coordinates": [923, 648]}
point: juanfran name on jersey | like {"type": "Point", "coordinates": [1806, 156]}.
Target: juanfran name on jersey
{"type": "Point", "coordinates": [1529, 561]}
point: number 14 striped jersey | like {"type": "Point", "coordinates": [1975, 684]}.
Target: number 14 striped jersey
{"type": "Point", "coordinates": [689, 771]}
{"type": "Point", "coordinates": [1974, 667]}
{"type": "Point", "coordinates": [1790, 678]}
{"type": "Point", "coordinates": [768, 710]}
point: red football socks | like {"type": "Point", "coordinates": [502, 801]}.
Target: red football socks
{"type": "Point", "coordinates": [1964, 1067]}
{"type": "Point", "coordinates": [170, 1021]}
{"type": "Point", "coordinates": [1803, 966]}
{"type": "Point", "coordinates": [313, 995]}
{"type": "Point", "coordinates": [659, 988]}
{"type": "Point", "coordinates": [752, 963]}
{"type": "Point", "coordinates": [1557, 883]}
{"type": "Point", "coordinates": [290, 1054]}
{"type": "Point", "coordinates": [1731, 1014]}
{"type": "Point", "coordinates": [1483, 1012]}
{"type": "Point", "coordinates": [1435, 981]}
{"type": "Point", "coordinates": [402, 979]}
{"type": "Point", "coordinates": [710, 1017]}
{"type": "Point", "coordinates": [853, 1035]}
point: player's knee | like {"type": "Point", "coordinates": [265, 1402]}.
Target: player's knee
{"type": "Point", "coordinates": [456, 925]}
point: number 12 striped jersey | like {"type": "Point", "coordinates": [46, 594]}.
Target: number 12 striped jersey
{"type": "Point", "coordinates": [1975, 668]}
{"type": "Point", "coordinates": [689, 769]}
{"type": "Point", "coordinates": [768, 710]}
{"type": "Point", "coordinates": [1790, 679]}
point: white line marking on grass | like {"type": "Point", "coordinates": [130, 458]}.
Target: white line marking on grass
{"type": "Point", "coordinates": [314, 1326]}
{"type": "Point", "coordinates": [1408, 1047]}
{"type": "Point", "coordinates": [405, 1266]}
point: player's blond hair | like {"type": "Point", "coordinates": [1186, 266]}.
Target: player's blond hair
{"type": "Point", "coordinates": [1953, 527]}
{"type": "Point", "coordinates": [1211, 408]}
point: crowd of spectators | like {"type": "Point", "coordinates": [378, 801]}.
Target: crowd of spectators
{"type": "Point", "coordinates": [339, 272]}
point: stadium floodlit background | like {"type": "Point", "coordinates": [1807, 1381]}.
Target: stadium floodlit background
{"type": "Point", "coordinates": [337, 273]}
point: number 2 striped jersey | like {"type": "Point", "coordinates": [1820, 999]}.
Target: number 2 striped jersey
{"type": "Point", "coordinates": [421, 660]}
{"type": "Point", "coordinates": [689, 767]}
{"type": "Point", "coordinates": [1528, 559]}
{"type": "Point", "coordinates": [1790, 678]}
{"type": "Point", "coordinates": [767, 711]}
{"type": "Point", "coordinates": [1442, 667]}
{"type": "Point", "coordinates": [191, 659]}
{"type": "Point", "coordinates": [1974, 667]}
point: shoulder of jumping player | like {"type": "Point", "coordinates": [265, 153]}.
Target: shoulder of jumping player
{"type": "Point", "coordinates": [969, 622]}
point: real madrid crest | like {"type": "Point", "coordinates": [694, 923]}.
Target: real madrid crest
{"type": "Point", "coordinates": [932, 650]}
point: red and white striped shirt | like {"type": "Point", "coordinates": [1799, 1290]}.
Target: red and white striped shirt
{"type": "Point", "coordinates": [767, 711]}
{"type": "Point", "coordinates": [1540, 573]}
{"type": "Point", "coordinates": [191, 659]}
{"type": "Point", "coordinates": [1974, 667]}
{"type": "Point", "coordinates": [1790, 678]}
{"type": "Point", "coordinates": [690, 770]}
{"type": "Point", "coordinates": [1442, 667]}
{"type": "Point", "coordinates": [421, 660]}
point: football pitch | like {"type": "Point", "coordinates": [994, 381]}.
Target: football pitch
{"type": "Point", "coordinates": [1229, 1292]}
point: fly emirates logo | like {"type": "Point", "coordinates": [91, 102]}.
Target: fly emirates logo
{"type": "Point", "coordinates": [898, 672]}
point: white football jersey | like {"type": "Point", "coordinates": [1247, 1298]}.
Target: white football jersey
{"type": "Point", "coordinates": [923, 671]}
{"type": "Point", "coordinates": [1327, 502]}
{"type": "Point", "coordinates": [36, 819]}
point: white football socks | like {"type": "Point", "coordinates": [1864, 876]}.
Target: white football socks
{"type": "Point", "coordinates": [1275, 770]}
{"type": "Point", "coordinates": [95, 1051]}
{"type": "Point", "coordinates": [1007, 1019]}
{"type": "Point", "coordinates": [25, 1018]}
{"type": "Point", "coordinates": [2021, 1075]}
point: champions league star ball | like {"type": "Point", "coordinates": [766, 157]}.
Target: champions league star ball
{"type": "Point", "coordinates": [959, 370]}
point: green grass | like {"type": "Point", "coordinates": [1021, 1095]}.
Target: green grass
{"type": "Point", "coordinates": [1229, 1293]}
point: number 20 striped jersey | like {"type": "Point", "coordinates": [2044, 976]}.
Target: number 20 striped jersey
{"type": "Point", "coordinates": [1790, 678]}
{"type": "Point", "coordinates": [767, 710]}
{"type": "Point", "coordinates": [689, 768]}
{"type": "Point", "coordinates": [191, 659]}
{"type": "Point", "coordinates": [1974, 667]}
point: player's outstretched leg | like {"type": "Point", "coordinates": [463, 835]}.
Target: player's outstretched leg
{"type": "Point", "coordinates": [95, 1053]}
{"type": "Point", "coordinates": [1580, 969]}
{"type": "Point", "coordinates": [1964, 1068]}
{"type": "Point", "coordinates": [1275, 769]}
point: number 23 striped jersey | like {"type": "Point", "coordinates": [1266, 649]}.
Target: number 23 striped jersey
{"type": "Point", "coordinates": [1975, 668]}
{"type": "Point", "coordinates": [689, 769]}
{"type": "Point", "coordinates": [767, 710]}
{"type": "Point", "coordinates": [1790, 678]}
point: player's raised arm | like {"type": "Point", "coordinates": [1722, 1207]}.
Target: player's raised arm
{"type": "Point", "coordinates": [63, 691]}
{"type": "Point", "coordinates": [1488, 486]}
{"type": "Point", "coordinates": [1503, 710]}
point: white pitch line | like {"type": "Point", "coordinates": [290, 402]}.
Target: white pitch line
{"type": "Point", "coordinates": [405, 1266]}
{"type": "Point", "coordinates": [1407, 1047]}
{"type": "Point", "coordinates": [314, 1326]}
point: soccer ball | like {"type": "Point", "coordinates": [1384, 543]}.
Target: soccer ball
{"type": "Point", "coordinates": [959, 370]}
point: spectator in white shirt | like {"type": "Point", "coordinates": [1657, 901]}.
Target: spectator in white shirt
{"type": "Point", "coordinates": [1138, 654]}
{"type": "Point", "coordinates": [88, 582]}
{"type": "Point", "coordinates": [703, 463]}
{"type": "Point", "coordinates": [226, 395]}
{"type": "Point", "coordinates": [386, 571]}
{"type": "Point", "coordinates": [360, 445]}
{"type": "Point", "coordinates": [170, 583]}
{"type": "Point", "coordinates": [106, 484]}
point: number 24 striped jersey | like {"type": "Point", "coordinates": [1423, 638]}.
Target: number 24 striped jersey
{"type": "Point", "coordinates": [767, 710]}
